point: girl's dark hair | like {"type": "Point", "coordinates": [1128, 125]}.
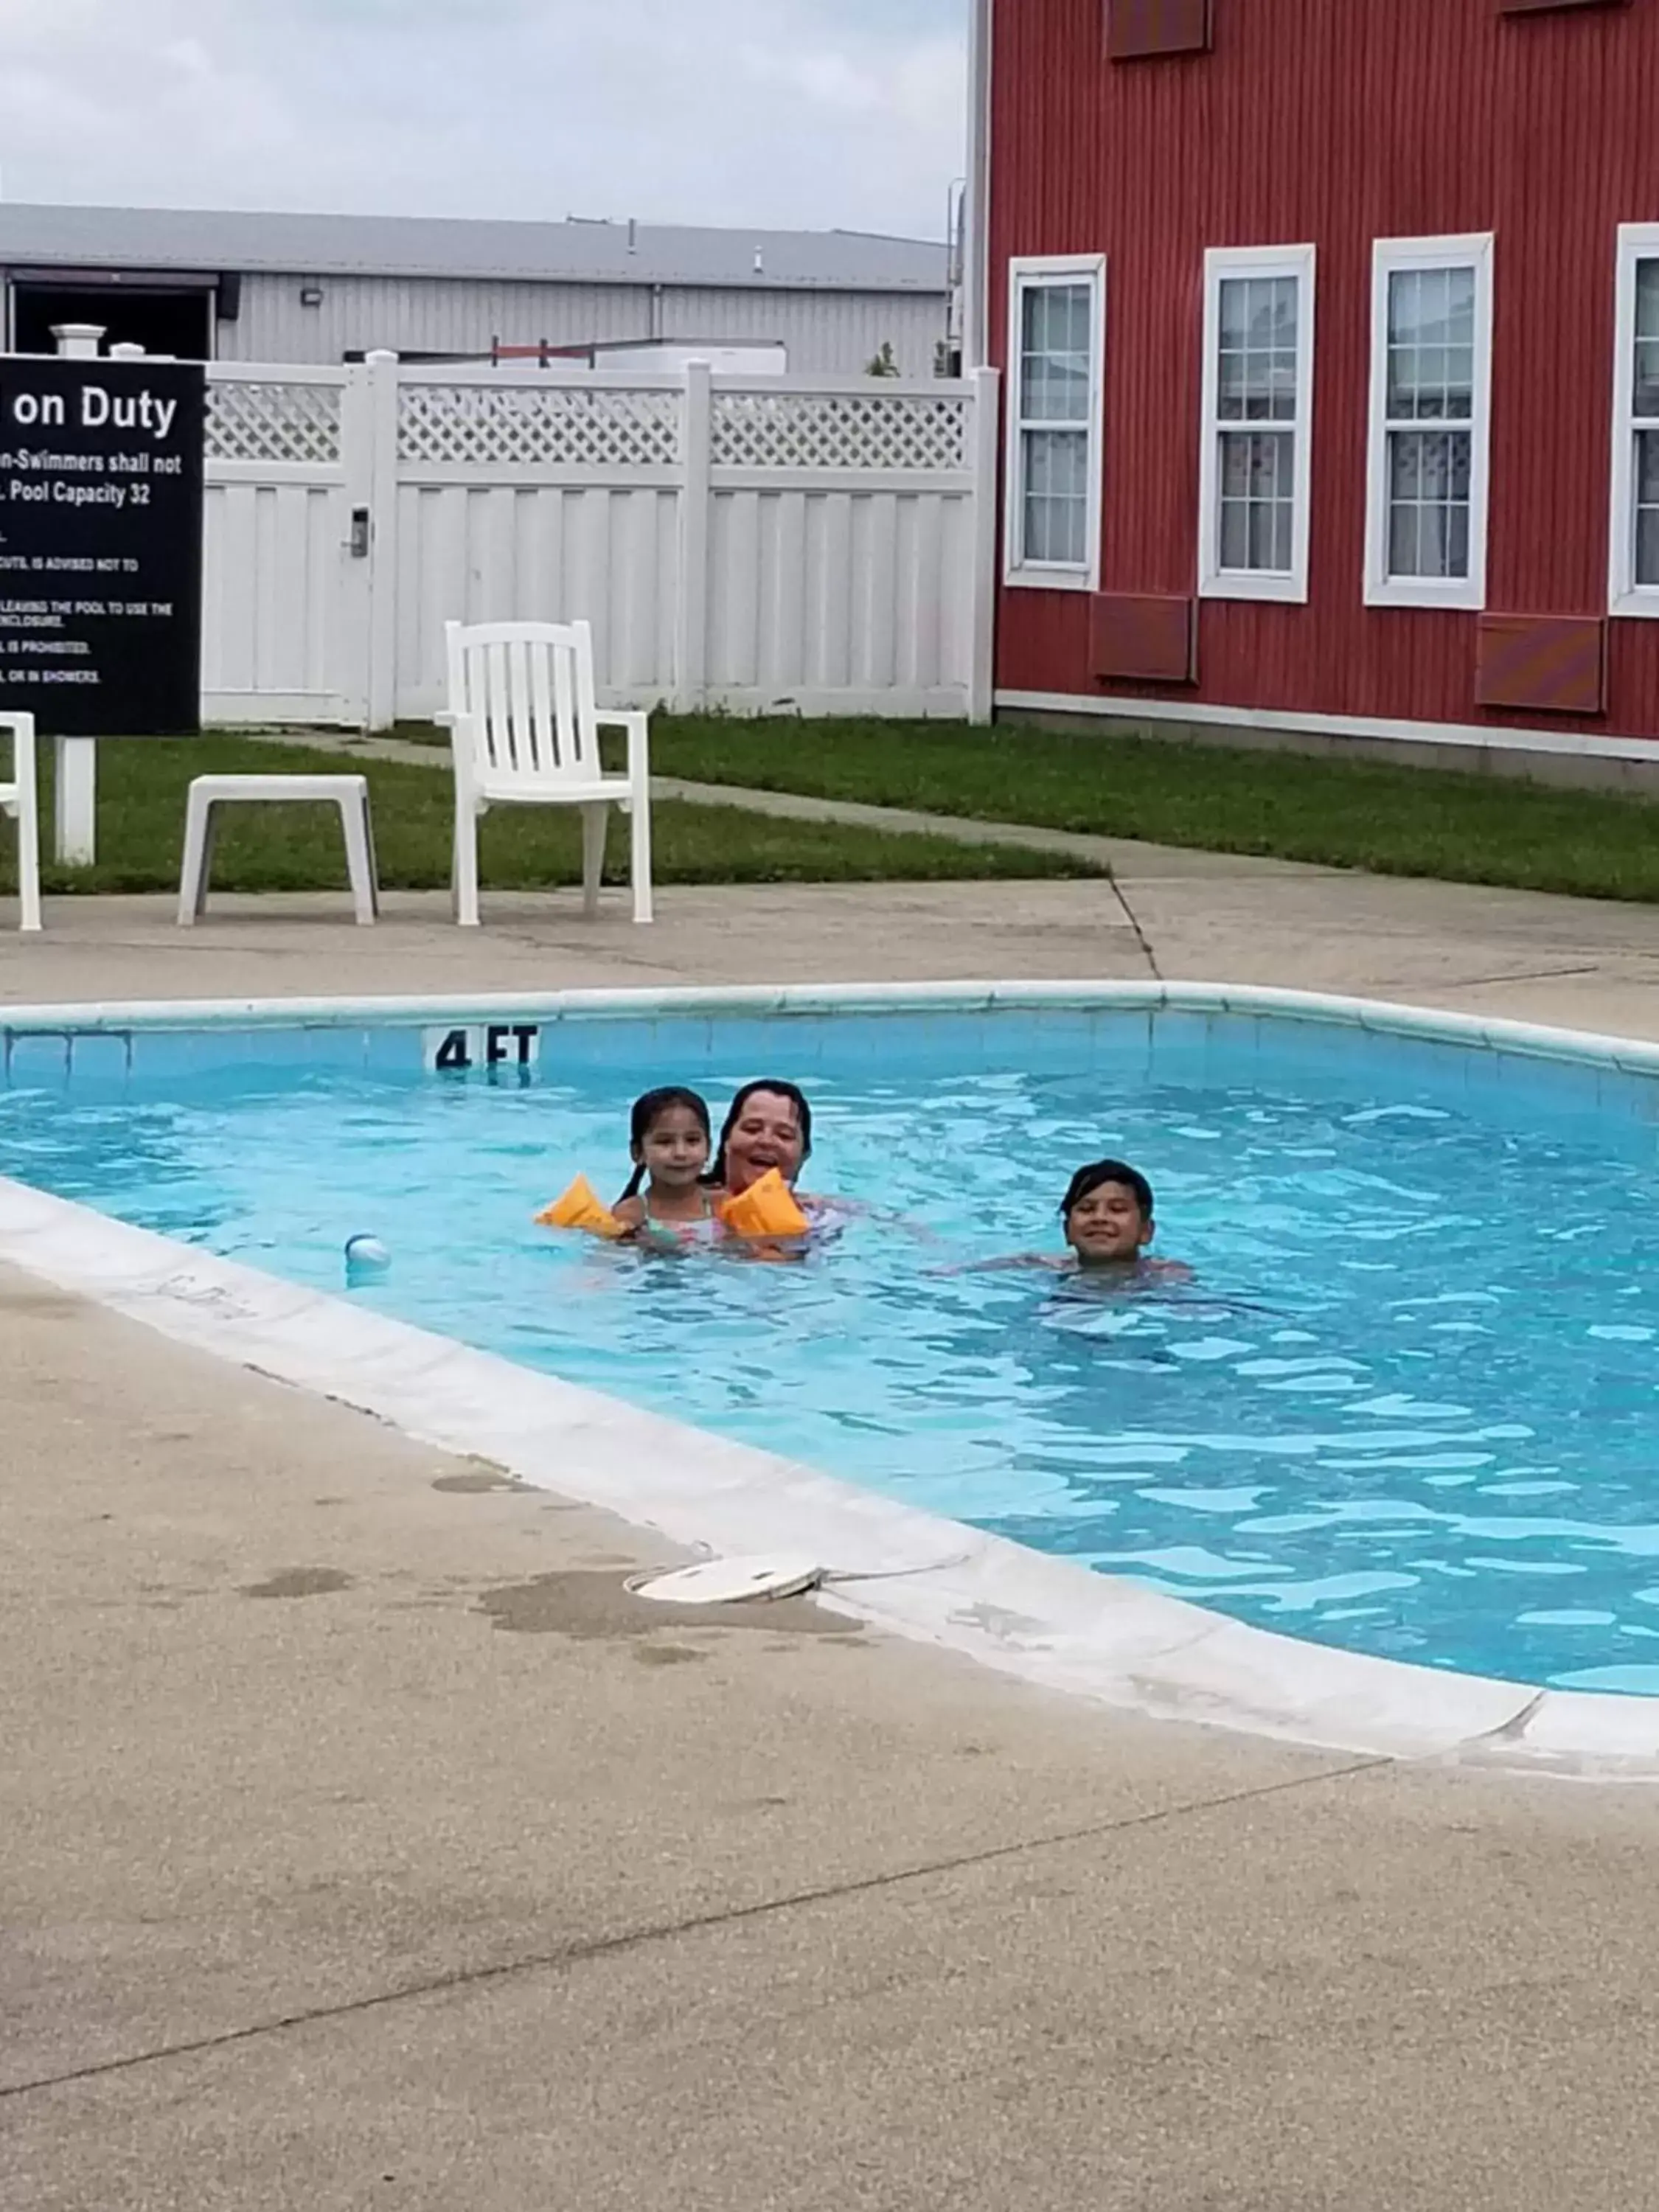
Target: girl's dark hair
{"type": "Point", "coordinates": [649, 1111]}
{"type": "Point", "coordinates": [796, 1098]}
{"type": "Point", "coordinates": [1090, 1179]}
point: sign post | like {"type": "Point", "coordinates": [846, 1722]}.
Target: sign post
{"type": "Point", "coordinates": [75, 816]}
{"type": "Point", "coordinates": [100, 560]}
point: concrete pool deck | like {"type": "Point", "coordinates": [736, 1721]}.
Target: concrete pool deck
{"type": "Point", "coordinates": [1582, 963]}
{"type": "Point", "coordinates": [365, 1844]}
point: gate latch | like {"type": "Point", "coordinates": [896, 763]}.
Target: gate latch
{"type": "Point", "coordinates": [360, 533]}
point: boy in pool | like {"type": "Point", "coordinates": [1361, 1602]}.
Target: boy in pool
{"type": "Point", "coordinates": [1107, 1215]}
{"type": "Point", "coordinates": [1108, 1218]}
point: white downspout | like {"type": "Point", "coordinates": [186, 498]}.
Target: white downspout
{"type": "Point", "coordinates": [976, 260]}
{"type": "Point", "coordinates": [975, 348]}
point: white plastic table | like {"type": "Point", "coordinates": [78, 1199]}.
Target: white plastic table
{"type": "Point", "coordinates": [349, 792]}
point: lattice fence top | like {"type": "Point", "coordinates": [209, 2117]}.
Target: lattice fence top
{"type": "Point", "coordinates": [497, 427]}
{"type": "Point", "coordinates": [558, 427]}
{"type": "Point", "coordinates": [288, 422]}
{"type": "Point", "coordinates": [839, 430]}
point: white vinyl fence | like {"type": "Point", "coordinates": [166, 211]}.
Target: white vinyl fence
{"type": "Point", "coordinates": [743, 543]}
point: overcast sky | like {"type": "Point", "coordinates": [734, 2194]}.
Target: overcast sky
{"type": "Point", "coordinates": [782, 113]}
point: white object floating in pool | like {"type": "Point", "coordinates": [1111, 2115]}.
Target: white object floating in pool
{"type": "Point", "coordinates": [366, 1256]}
{"type": "Point", "coordinates": [730, 1582]}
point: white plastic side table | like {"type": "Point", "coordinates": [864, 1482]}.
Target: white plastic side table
{"type": "Point", "coordinates": [349, 792]}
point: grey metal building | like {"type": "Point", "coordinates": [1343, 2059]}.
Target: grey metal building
{"type": "Point", "coordinates": [297, 288]}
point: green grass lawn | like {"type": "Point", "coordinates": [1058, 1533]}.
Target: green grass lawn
{"type": "Point", "coordinates": [141, 819]}
{"type": "Point", "coordinates": [1392, 821]}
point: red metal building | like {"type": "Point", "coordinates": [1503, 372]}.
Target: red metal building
{"type": "Point", "coordinates": [1330, 331]}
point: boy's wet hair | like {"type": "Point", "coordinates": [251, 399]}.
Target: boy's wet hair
{"type": "Point", "coordinates": [1088, 1180]}
{"type": "Point", "coordinates": [649, 1111]}
{"type": "Point", "coordinates": [796, 1098]}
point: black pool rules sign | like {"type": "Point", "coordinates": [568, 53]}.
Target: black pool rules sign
{"type": "Point", "coordinates": [100, 546]}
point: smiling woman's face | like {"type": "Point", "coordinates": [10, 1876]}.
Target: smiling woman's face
{"type": "Point", "coordinates": [766, 1134]}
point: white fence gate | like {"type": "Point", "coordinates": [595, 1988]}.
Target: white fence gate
{"type": "Point", "coordinates": [744, 542]}
{"type": "Point", "coordinates": [285, 608]}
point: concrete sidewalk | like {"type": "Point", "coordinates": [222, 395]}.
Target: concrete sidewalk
{"type": "Point", "coordinates": [1187, 916]}
{"type": "Point", "coordinates": [366, 1845]}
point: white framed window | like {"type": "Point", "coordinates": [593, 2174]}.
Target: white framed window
{"type": "Point", "coordinates": [1430, 425]}
{"type": "Point", "coordinates": [1634, 535]}
{"type": "Point", "coordinates": [1254, 472]}
{"type": "Point", "coordinates": [1057, 361]}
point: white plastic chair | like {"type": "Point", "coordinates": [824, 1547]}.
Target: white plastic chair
{"type": "Point", "coordinates": [20, 800]}
{"type": "Point", "coordinates": [524, 730]}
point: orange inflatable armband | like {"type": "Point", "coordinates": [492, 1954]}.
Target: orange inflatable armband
{"type": "Point", "coordinates": [766, 1208]}
{"type": "Point", "coordinates": [582, 1208]}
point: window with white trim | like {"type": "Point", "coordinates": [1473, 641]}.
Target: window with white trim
{"type": "Point", "coordinates": [1255, 489]}
{"type": "Point", "coordinates": [1426, 473]}
{"type": "Point", "coordinates": [1056, 346]}
{"type": "Point", "coordinates": [1634, 580]}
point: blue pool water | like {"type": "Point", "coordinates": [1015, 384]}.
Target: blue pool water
{"type": "Point", "coordinates": [1410, 1406]}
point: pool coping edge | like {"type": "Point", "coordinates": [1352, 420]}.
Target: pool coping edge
{"type": "Point", "coordinates": [1376, 1016]}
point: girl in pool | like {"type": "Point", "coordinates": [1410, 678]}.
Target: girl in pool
{"type": "Point", "coordinates": [671, 1201]}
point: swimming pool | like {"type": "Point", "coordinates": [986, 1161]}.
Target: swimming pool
{"type": "Point", "coordinates": [1407, 1409]}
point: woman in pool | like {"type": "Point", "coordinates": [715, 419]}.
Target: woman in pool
{"type": "Point", "coordinates": [769, 1125]}
{"type": "Point", "coordinates": [768, 1131]}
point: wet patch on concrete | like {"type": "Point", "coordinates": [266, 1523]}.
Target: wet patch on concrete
{"type": "Point", "coordinates": [283, 1382]}
{"type": "Point", "coordinates": [162, 1597]}
{"type": "Point", "coordinates": [667, 1654]}
{"type": "Point", "coordinates": [40, 1305]}
{"type": "Point", "coordinates": [300, 1582]}
{"type": "Point", "coordinates": [351, 1406]}
{"type": "Point", "coordinates": [479, 1482]}
{"type": "Point", "coordinates": [589, 1606]}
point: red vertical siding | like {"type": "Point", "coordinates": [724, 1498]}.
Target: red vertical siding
{"type": "Point", "coordinates": [1338, 122]}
